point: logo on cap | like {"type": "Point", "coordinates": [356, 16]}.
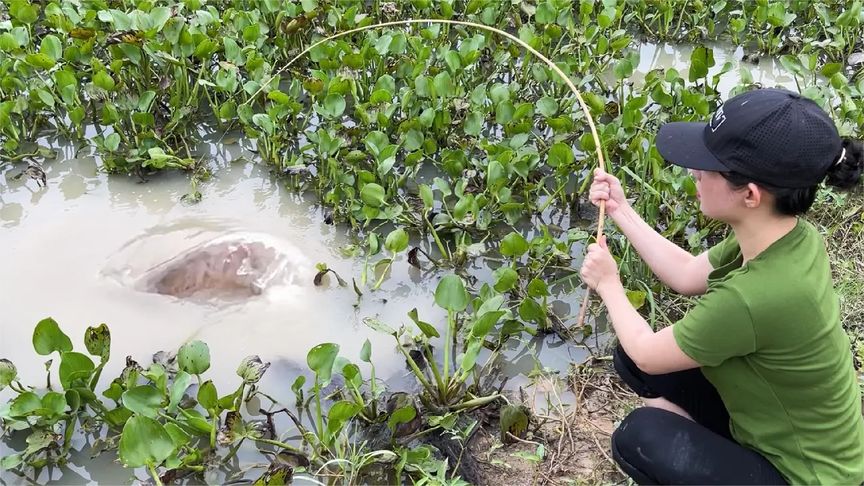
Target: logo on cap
{"type": "Point", "coordinates": [718, 119]}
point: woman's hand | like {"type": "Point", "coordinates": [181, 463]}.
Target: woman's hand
{"type": "Point", "coordinates": [599, 268]}
{"type": "Point", "coordinates": [606, 187]}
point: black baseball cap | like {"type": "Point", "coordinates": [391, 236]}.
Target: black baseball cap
{"type": "Point", "coordinates": [773, 136]}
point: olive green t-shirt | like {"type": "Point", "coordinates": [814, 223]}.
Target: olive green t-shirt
{"type": "Point", "coordinates": [768, 336]}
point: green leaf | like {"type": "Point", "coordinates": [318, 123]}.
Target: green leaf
{"type": "Point", "coordinates": [623, 69]}
{"type": "Point", "coordinates": [373, 195]}
{"type": "Point", "coordinates": [636, 298]}
{"type": "Point", "coordinates": [47, 338]}
{"type": "Point", "coordinates": [112, 142]}
{"type": "Point", "coordinates": [443, 84]}
{"type": "Point", "coordinates": [427, 329]}
{"type": "Point", "coordinates": [486, 322]}
{"type": "Point", "coordinates": [11, 461]}
{"type": "Point", "coordinates": [530, 310]}
{"type": "Point", "coordinates": [505, 278]}
{"type": "Point", "coordinates": [377, 325]}
{"type": "Point", "coordinates": [251, 369]}
{"type": "Point", "coordinates": [334, 105]}
{"type": "Point", "coordinates": [401, 415]}
{"type": "Point", "coordinates": [194, 357]}
{"type": "Point", "coordinates": [396, 241]}
{"type": "Point", "coordinates": [8, 373]}
{"type": "Point", "coordinates": [73, 367]}
{"type": "Point", "coordinates": [97, 340]}
{"type": "Point", "coordinates": [40, 60]}
{"type": "Point", "coordinates": [340, 413]}
{"type": "Point", "coordinates": [547, 106]}
{"type": "Point", "coordinates": [24, 404]}
{"type": "Point", "coordinates": [560, 154]}
{"type": "Point", "coordinates": [427, 196]}
{"type": "Point", "coordinates": [144, 441]}
{"type": "Point", "coordinates": [51, 47]}
{"type": "Point", "coordinates": [207, 396]}
{"type": "Point", "coordinates": [103, 80]}
{"type": "Point", "coordinates": [53, 404]}
{"type": "Point", "coordinates": [514, 419]}
{"type": "Point", "coordinates": [158, 17]}
{"type": "Point", "coordinates": [413, 140]}
{"type": "Point", "coordinates": [514, 245]}
{"type": "Point", "coordinates": [470, 356]}
{"type": "Point", "coordinates": [537, 288]}
{"type": "Point", "coordinates": [320, 360]}
{"type": "Point", "coordinates": [366, 352]}
{"type": "Point", "coordinates": [473, 123]}
{"type": "Point", "coordinates": [451, 294]}
{"type": "Point", "coordinates": [144, 400]}
{"type": "Point", "coordinates": [264, 122]}
{"type": "Point", "coordinates": [454, 62]}
{"type": "Point", "coordinates": [182, 381]}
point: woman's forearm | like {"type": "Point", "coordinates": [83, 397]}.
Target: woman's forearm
{"type": "Point", "coordinates": [632, 330]}
{"type": "Point", "coordinates": [667, 260]}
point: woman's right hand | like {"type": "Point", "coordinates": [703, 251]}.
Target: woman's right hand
{"type": "Point", "coordinates": [606, 187]}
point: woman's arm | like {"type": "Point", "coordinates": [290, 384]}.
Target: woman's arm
{"type": "Point", "coordinates": [653, 352]}
{"type": "Point", "coordinates": [681, 271]}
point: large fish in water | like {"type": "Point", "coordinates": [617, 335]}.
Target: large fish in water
{"type": "Point", "coordinates": [225, 267]}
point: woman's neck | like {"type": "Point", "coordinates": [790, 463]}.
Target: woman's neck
{"type": "Point", "coordinates": [756, 234]}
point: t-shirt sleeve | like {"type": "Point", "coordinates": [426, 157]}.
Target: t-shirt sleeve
{"type": "Point", "coordinates": [717, 328]}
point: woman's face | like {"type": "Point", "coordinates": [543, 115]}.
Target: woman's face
{"type": "Point", "coordinates": [717, 199]}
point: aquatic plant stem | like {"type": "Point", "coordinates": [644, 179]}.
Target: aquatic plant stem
{"type": "Point", "coordinates": [600, 159]}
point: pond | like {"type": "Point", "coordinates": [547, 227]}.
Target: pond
{"type": "Point", "coordinates": [78, 250]}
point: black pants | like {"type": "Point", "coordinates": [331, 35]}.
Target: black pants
{"type": "Point", "coordinates": [654, 446]}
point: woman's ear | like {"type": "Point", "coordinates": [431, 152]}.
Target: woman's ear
{"type": "Point", "coordinates": [753, 196]}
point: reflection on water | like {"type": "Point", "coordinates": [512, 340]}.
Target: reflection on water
{"type": "Point", "coordinates": [69, 248]}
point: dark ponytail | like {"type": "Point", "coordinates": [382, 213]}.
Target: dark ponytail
{"type": "Point", "coordinates": [846, 173]}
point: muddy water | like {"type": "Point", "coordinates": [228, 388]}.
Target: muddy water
{"type": "Point", "coordinates": [81, 245]}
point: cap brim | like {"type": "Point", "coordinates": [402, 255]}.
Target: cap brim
{"type": "Point", "coordinates": [683, 143]}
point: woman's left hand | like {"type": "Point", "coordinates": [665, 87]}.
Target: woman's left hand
{"type": "Point", "coordinates": [599, 268]}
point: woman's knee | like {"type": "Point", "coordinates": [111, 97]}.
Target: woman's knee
{"type": "Point", "coordinates": [633, 444]}
{"type": "Point", "coordinates": [637, 431]}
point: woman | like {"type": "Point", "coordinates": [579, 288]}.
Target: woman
{"type": "Point", "coordinates": [756, 383]}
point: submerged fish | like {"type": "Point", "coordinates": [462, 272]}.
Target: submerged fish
{"type": "Point", "coordinates": [225, 267]}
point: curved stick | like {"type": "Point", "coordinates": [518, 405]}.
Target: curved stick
{"type": "Point", "coordinates": [552, 66]}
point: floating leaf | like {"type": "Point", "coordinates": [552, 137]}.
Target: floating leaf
{"type": "Point", "coordinates": [473, 123]}
{"type": "Point", "coordinates": [396, 241]}
{"type": "Point", "coordinates": [144, 400]}
{"type": "Point", "coordinates": [321, 358]}
{"type": "Point", "coordinates": [505, 278]}
{"type": "Point", "coordinates": [194, 357]}
{"type": "Point", "coordinates": [560, 154]}
{"type": "Point", "coordinates": [251, 369]}
{"type": "Point", "coordinates": [207, 396]}
{"type": "Point", "coordinates": [47, 338]}
{"type": "Point", "coordinates": [547, 106]}
{"type": "Point", "coordinates": [373, 195]}
{"type": "Point", "coordinates": [182, 381]}
{"type": "Point", "coordinates": [451, 294]}
{"type": "Point", "coordinates": [514, 245]}
{"type": "Point", "coordinates": [8, 373]}
{"type": "Point", "coordinates": [427, 329]}
{"type": "Point", "coordinates": [97, 340]}
{"type": "Point", "coordinates": [73, 367]}
{"type": "Point", "coordinates": [144, 441]}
